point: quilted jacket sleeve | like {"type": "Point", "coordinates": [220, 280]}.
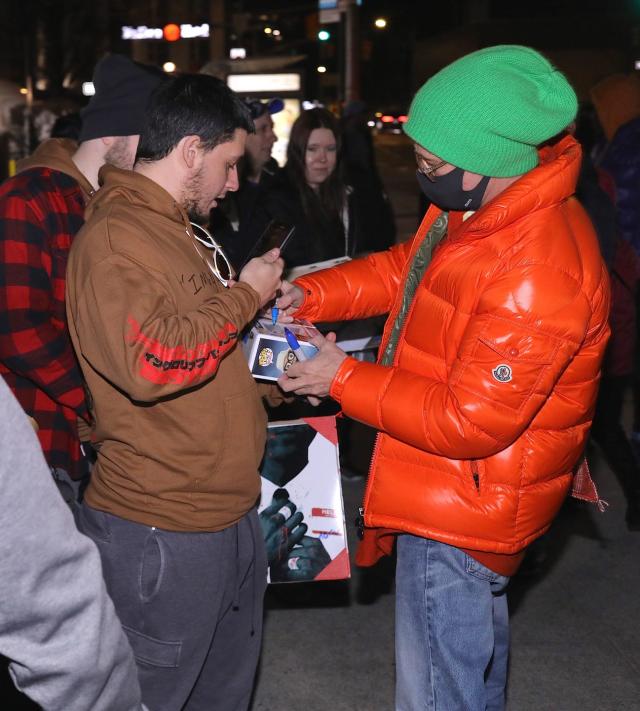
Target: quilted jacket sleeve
{"type": "Point", "coordinates": [515, 348]}
{"type": "Point", "coordinates": [376, 279]}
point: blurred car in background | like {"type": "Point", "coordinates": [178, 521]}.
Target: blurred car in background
{"type": "Point", "coordinates": [387, 122]}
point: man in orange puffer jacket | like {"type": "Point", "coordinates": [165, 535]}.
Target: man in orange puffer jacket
{"type": "Point", "coordinates": [484, 391]}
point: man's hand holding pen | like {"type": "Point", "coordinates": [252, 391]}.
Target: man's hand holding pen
{"type": "Point", "coordinates": [290, 299]}
{"type": "Point", "coordinates": [313, 377]}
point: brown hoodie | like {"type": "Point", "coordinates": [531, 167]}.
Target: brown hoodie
{"type": "Point", "coordinates": [56, 153]}
{"type": "Point", "coordinates": [177, 413]}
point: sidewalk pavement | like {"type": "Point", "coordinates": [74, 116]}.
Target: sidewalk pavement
{"type": "Point", "coordinates": [575, 624]}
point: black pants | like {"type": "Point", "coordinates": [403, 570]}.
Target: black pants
{"type": "Point", "coordinates": [191, 605]}
{"type": "Point", "coordinates": [609, 434]}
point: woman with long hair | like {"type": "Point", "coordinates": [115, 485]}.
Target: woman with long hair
{"type": "Point", "coordinates": [310, 194]}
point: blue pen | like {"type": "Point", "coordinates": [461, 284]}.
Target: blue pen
{"type": "Point", "coordinates": [274, 315]}
{"type": "Point", "coordinates": [294, 345]}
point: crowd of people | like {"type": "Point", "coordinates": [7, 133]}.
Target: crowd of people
{"type": "Point", "coordinates": [124, 388]}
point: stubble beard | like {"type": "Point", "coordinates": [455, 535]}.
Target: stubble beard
{"type": "Point", "coordinates": [119, 155]}
{"type": "Point", "coordinates": [194, 203]}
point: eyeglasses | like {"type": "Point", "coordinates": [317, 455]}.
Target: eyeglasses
{"type": "Point", "coordinates": [218, 263]}
{"type": "Point", "coordinates": [426, 169]}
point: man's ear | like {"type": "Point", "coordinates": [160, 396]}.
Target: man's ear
{"type": "Point", "coordinates": [190, 151]}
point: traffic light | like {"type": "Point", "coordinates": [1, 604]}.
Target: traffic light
{"type": "Point", "coordinates": [324, 35]}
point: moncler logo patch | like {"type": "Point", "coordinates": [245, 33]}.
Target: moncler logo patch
{"type": "Point", "coordinates": [502, 373]}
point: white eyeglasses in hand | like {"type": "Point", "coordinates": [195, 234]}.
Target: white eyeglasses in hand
{"type": "Point", "coordinates": [218, 263]}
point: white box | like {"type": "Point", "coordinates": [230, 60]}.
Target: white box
{"type": "Point", "coordinates": [267, 351]}
{"type": "Point", "coordinates": [301, 479]}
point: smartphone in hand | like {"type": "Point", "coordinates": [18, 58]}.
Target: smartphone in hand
{"type": "Point", "coordinates": [276, 234]}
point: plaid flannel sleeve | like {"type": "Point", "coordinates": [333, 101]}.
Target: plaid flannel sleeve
{"type": "Point", "coordinates": [34, 342]}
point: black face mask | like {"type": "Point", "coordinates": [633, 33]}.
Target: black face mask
{"type": "Point", "coordinates": [447, 193]}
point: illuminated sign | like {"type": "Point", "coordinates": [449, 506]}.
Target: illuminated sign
{"type": "Point", "coordinates": [194, 31]}
{"type": "Point", "coordinates": [263, 83]}
{"type": "Point", "coordinates": [170, 32]}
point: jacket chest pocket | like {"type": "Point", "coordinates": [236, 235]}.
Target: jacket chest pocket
{"type": "Point", "coordinates": [506, 363]}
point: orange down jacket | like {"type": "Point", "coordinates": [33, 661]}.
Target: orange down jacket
{"type": "Point", "coordinates": [487, 406]}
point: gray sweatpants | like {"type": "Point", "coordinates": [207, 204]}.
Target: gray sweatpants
{"type": "Point", "coordinates": [191, 605]}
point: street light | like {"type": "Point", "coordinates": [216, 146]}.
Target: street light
{"type": "Point", "coordinates": [268, 30]}
{"type": "Point", "coordinates": [169, 67]}
{"type": "Point", "coordinates": [380, 23]}
{"type": "Point", "coordinates": [321, 69]}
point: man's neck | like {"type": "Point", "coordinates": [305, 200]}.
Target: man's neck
{"type": "Point", "coordinates": [88, 159]}
{"type": "Point", "coordinates": [161, 172]}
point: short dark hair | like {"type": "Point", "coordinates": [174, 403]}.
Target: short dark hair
{"type": "Point", "coordinates": [191, 105]}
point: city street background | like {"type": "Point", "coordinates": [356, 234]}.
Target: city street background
{"type": "Point", "coordinates": [575, 644]}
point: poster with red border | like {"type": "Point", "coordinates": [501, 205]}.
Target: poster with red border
{"type": "Point", "coordinates": [301, 508]}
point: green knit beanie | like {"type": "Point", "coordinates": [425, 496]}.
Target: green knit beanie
{"type": "Point", "coordinates": [488, 111]}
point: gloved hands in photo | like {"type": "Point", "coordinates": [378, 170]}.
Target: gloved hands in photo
{"type": "Point", "coordinates": [304, 562]}
{"type": "Point", "coordinates": [282, 527]}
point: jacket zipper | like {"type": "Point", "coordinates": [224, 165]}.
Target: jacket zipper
{"type": "Point", "coordinates": [475, 474]}
{"type": "Point", "coordinates": [360, 525]}
{"type": "Point", "coordinates": [360, 517]}
{"type": "Point", "coordinates": [359, 520]}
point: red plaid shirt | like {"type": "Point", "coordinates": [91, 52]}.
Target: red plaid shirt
{"type": "Point", "coordinates": [41, 210]}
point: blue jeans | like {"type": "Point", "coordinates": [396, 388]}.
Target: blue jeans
{"type": "Point", "coordinates": [452, 630]}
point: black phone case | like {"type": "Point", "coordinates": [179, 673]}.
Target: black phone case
{"type": "Point", "coordinates": [276, 234]}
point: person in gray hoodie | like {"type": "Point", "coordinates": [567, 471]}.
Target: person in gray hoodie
{"type": "Point", "coordinates": [58, 627]}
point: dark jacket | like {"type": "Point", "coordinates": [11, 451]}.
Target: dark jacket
{"type": "Point", "coordinates": [41, 210]}
{"type": "Point", "coordinates": [233, 223]}
{"type": "Point", "coordinates": [312, 241]}
{"type": "Point", "coordinates": [361, 171]}
{"type": "Point", "coordinates": [622, 161]}
{"type": "Point", "coordinates": [624, 269]}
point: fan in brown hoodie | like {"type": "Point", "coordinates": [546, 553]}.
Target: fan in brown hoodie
{"type": "Point", "coordinates": [155, 323]}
